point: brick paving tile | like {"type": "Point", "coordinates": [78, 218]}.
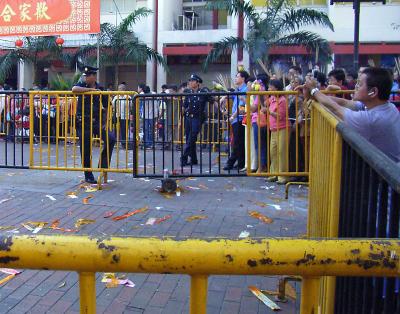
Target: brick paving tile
{"type": "Point", "coordinates": [226, 203]}
{"type": "Point", "coordinates": [26, 304]}
{"type": "Point", "coordinates": [160, 299]}
{"type": "Point", "coordinates": [229, 307]}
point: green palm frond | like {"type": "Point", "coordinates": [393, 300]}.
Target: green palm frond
{"type": "Point", "coordinates": [223, 47]}
{"type": "Point", "coordinates": [82, 55]}
{"type": "Point", "coordinates": [307, 39]}
{"type": "Point", "coordinates": [6, 64]}
{"type": "Point", "coordinates": [133, 18]}
{"type": "Point", "coordinates": [303, 38]}
{"type": "Point", "coordinates": [293, 19]}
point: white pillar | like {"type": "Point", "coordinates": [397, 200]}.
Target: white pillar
{"type": "Point", "coordinates": [25, 74]}
{"type": "Point", "coordinates": [149, 73]}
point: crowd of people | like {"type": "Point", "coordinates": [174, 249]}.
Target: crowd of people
{"type": "Point", "coordinates": [279, 126]}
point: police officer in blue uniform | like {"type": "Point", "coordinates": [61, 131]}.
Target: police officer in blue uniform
{"type": "Point", "coordinates": [194, 113]}
{"type": "Point", "coordinates": [88, 121]}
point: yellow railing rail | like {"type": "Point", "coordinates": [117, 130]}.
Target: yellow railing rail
{"type": "Point", "coordinates": [55, 127]}
{"type": "Point", "coordinates": [201, 258]}
{"type": "Point", "coordinates": [324, 191]}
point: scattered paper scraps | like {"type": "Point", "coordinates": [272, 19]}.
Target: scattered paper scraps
{"type": "Point", "coordinates": [82, 221]}
{"type": "Point", "coordinates": [112, 281]}
{"type": "Point", "coordinates": [128, 214]}
{"type": "Point", "coordinates": [151, 221]}
{"type": "Point", "coordinates": [162, 219]}
{"type": "Point", "coordinates": [91, 189]}
{"type": "Point", "coordinates": [167, 195]}
{"type": "Point", "coordinates": [195, 217]}
{"type": "Point", "coordinates": [277, 207]}
{"type": "Point", "coordinates": [229, 187]}
{"type": "Point", "coordinates": [202, 186]}
{"type": "Point", "coordinates": [264, 299]}
{"type": "Point", "coordinates": [261, 217]}
{"type": "Point", "coordinates": [155, 221]}
{"type": "Point", "coordinates": [61, 285]}
{"type": "Point", "coordinates": [192, 187]}
{"type": "Point", "coordinates": [6, 228]}
{"type": "Point", "coordinates": [51, 197]}
{"type": "Point", "coordinates": [244, 234]}
{"type": "Point", "coordinates": [9, 271]}
{"type": "Point", "coordinates": [72, 194]}
{"type": "Point", "coordinates": [34, 226]}
{"type": "Point", "coordinates": [109, 214]}
{"type": "Point", "coordinates": [5, 200]}
{"type": "Point", "coordinates": [86, 199]}
{"type": "Point", "coordinates": [264, 187]}
{"type": "Point", "coordinates": [11, 274]}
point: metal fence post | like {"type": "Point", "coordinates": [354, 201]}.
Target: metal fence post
{"type": "Point", "coordinates": [87, 287]}
{"type": "Point", "coordinates": [198, 294]}
{"type": "Point", "coordinates": [310, 295]}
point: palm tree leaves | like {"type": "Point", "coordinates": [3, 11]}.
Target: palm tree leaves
{"type": "Point", "coordinates": [277, 24]}
{"type": "Point", "coordinates": [119, 44]}
{"type": "Point", "coordinates": [37, 50]}
{"type": "Point", "coordinates": [293, 19]}
{"type": "Point", "coordinates": [6, 64]}
{"type": "Point", "coordinates": [309, 40]}
{"type": "Point", "coordinates": [223, 47]}
{"type": "Point", "coordinates": [132, 18]}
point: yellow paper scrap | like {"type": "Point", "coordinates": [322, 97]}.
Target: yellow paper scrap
{"type": "Point", "coordinates": [195, 217]}
{"type": "Point", "coordinates": [83, 221]}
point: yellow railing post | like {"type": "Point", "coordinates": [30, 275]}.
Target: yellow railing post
{"type": "Point", "coordinates": [31, 128]}
{"type": "Point", "coordinates": [198, 294]}
{"type": "Point", "coordinates": [87, 287]}
{"type": "Point", "coordinates": [310, 295]}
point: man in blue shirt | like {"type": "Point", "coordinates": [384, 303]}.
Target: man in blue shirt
{"type": "Point", "coordinates": [238, 111]}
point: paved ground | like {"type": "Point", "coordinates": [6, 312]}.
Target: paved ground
{"type": "Point", "coordinates": [225, 202]}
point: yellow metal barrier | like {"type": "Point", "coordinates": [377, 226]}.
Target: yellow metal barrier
{"type": "Point", "coordinates": [312, 257]}
{"type": "Point", "coordinates": [324, 191]}
{"type": "Point", "coordinates": [65, 126]}
{"type": "Point", "coordinates": [281, 151]}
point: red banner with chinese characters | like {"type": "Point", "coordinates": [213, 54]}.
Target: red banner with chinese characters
{"type": "Point", "coordinates": [49, 17]}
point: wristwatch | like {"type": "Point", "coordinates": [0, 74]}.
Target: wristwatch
{"type": "Point", "coordinates": [314, 90]}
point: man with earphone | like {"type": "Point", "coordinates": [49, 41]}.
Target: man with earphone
{"type": "Point", "coordinates": [370, 113]}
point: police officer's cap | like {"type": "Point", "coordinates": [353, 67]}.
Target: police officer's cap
{"type": "Point", "coordinates": [88, 70]}
{"type": "Point", "coordinates": [195, 77]}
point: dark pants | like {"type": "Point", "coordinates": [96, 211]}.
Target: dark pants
{"type": "Point", "coordinates": [263, 149]}
{"type": "Point", "coordinates": [238, 152]}
{"type": "Point", "coordinates": [192, 129]}
{"type": "Point", "coordinates": [122, 130]}
{"type": "Point", "coordinates": [85, 140]}
{"type": "Point", "coordinates": [148, 130]}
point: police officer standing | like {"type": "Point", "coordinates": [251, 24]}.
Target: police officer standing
{"type": "Point", "coordinates": [194, 113]}
{"type": "Point", "coordinates": [88, 113]}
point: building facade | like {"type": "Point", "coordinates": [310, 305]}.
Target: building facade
{"type": "Point", "coordinates": [183, 31]}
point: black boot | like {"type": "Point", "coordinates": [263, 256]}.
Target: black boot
{"type": "Point", "coordinates": [89, 178]}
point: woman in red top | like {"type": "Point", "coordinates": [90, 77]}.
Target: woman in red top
{"type": "Point", "coordinates": [279, 128]}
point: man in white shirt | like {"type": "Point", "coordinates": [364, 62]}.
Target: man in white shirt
{"type": "Point", "coordinates": [121, 107]}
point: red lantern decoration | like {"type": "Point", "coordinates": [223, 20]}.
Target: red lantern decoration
{"type": "Point", "coordinates": [59, 41]}
{"type": "Point", "coordinates": [19, 43]}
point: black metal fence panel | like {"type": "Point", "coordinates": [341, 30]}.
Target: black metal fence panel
{"type": "Point", "coordinates": [188, 134]}
{"type": "Point", "coordinates": [14, 129]}
{"type": "Point", "coordinates": [369, 208]}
